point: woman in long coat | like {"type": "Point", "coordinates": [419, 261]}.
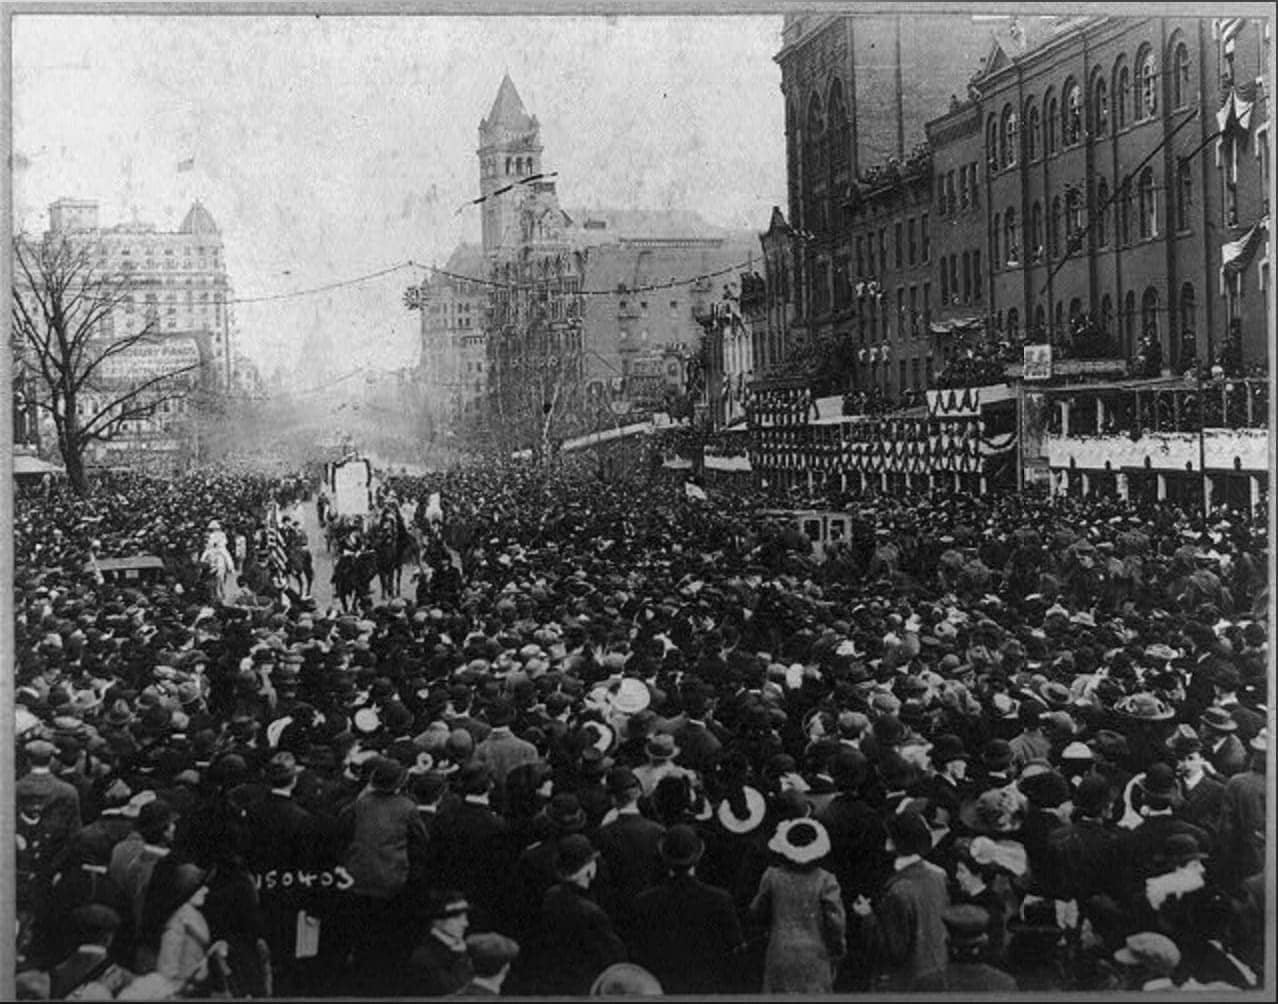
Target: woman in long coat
{"type": "Point", "coordinates": [802, 906]}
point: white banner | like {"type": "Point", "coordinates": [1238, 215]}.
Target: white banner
{"type": "Point", "coordinates": [148, 360]}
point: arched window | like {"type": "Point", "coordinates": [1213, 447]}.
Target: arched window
{"type": "Point", "coordinates": [1072, 120]}
{"type": "Point", "coordinates": [1122, 92]}
{"type": "Point", "coordinates": [1146, 84]}
{"type": "Point", "coordinates": [1129, 323]}
{"type": "Point", "coordinates": [1075, 310]}
{"type": "Point", "coordinates": [1040, 321]}
{"type": "Point", "coordinates": [1101, 213]}
{"type": "Point", "coordinates": [1037, 247]}
{"type": "Point", "coordinates": [1049, 124]}
{"type": "Point", "coordinates": [995, 236]}
{"type": "Point", "coordinates": [1188, 324]}
{"type": "Point", "coordinates": [1058, 319]}
{"type": "Point", "coordinates": [991, 144]}
{"type": "Point", "coordinates": [1184, 193]}
{"type": "Point", "coordinates": [1180, 76]}
{"type": "Point", "coordinates": [1054, 228]}
{"type": "Point", "coordinates": [1106, 313]}
{"type": "Point", "coordinates": [1009, 137]}
{"type": "Point", "coordinates": [1011, 238]}
{"type": "Point", "coordinates": [1033, 131]}
{"type": "Point", "coordinates": [1148, 204]}
{"type": "Point", "coordinates": [840, 131]}
{"type": "Point", "coordinates": [1073, 220]}
{"type": "Point", "coordinates": [508, 165]}
{"type": "Point", "coordinates": [1013, 322]}
{"type": "Point", "coordinates": [1149, 314]}
{"type": "Point", "coordinates": [1100, 105]}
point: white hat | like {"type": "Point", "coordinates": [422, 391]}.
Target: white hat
{"type": "Point", "coordinates": [801, 841]}
{"type": "Point", "coordinates": [631, 696]}
{"type": "Point", "coordinates": [756, 809]}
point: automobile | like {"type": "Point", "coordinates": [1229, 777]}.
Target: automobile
{"type": "Point", "coordinates": [141, 568]}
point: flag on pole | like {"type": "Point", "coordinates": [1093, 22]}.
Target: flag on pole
{"type": "Point", "coordinates": [186, 165]}
{"type": "Point", "coordinates": [276, 558]}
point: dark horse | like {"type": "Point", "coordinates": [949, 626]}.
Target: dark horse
{"type": "Point", "coordinates": [394, 545]}
{"type": "Point", "coordinates": [353, 576]}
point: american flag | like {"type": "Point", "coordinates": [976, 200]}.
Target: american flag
{"type": "Point", "coordinates": [276, 557]}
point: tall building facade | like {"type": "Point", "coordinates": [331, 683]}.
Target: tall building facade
{"type": "Point", "coordinates": [1097, 184]}
{"type": "Point", "coordinates": [172, 283]}
{"type": "Point", "coordinates": [564, 321]}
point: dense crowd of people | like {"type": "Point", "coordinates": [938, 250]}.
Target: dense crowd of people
{"type": "Point", "coordinates": [638, 740]}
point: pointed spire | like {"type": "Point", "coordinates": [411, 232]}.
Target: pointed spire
{"type": "Point", "coordinates": [508, 109]}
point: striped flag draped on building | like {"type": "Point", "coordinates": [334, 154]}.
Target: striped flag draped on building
{"type": "Point", "coordinates": [276, 556]}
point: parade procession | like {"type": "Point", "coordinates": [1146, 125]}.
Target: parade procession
{"type": "Point", "coordinates": [687, 610]}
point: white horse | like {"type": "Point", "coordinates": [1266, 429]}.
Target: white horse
{"type": "Point", "coordinates": [219, 565]}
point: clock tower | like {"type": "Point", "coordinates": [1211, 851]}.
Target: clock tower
{"type": "Point", "coordinates": [509, 151]}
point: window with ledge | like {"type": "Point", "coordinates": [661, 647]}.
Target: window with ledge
{"type": "Point", "coordinates": [1072, 120]}
{"type": "Point", "coordinates": [978, 280]}
{"type": "Point", "coordinates": [1146, 85]}
{"type": "Point", "coordinates": [1100, 106]}
{"type": "Point", "coordinates": [1073, 220]}
{"type": "Point", "coordinates": [1181, 94]}
{"type": "Point", "coordinates": [1033, 131]}
{"type": "Point", "coordinates": [996, 234]}
{"type": "Point", "coordinates": [1122, 92]}
{"type": "Point", "coordinates": [1049, 125]}
{"type": "Point", "coordinates": [1009, 137]}
{"type": "Point", "coordinates": [925, 239]}
{"type": "Point", "coordinates": [1148, 204]}
{"type": "Point", "coordinates": [1054, 228]}
{"type": "Point", "coordinates": [1011, 237]}
{"type": "Point", "coordinates": [1037, 248]}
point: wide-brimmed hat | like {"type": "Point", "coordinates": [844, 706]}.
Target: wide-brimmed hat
{"type": "Point", "coordinates": [755, 806]}
{"type": "Point", "coordinates": [1260, 741]}
{"type": "Point", "coordinates": [1144, 707]}
{"type": "Point", "coordinates": [1055, 695]}
{"type": "Point", "coordinates": [681, 846]}
{"type": "Point", "coordinates": [800, 841]}
{"type": "Point", "coordinates": [631, 696]}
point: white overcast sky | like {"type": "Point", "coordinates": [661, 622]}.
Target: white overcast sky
{"type": "Point", "coordinates": [329, 147]}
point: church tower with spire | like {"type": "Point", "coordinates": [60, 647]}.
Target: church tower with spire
{"type": "Point", "coordinates": [509, 150]}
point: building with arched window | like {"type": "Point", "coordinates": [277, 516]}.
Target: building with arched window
{"type": "Point", "coordinates": [1129, 263]}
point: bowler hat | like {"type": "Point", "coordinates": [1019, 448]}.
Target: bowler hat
{"type": "Point", "coordinates": [662, 747]}
{"type": "Point", "coordinates": [565, 814]}
{"type": "Point", "coordinates": [947, 748]}
{"type": "Point", "coordinates": [1181, 848]}
{"type": "Point", "coordinates": [1218, 720]}
{"type": "Point", "coordinates": [997, 754]}
{"type": "Point", "coordinates": [572, 854]}
{"type": "Point", "coordinates": [387, 774]}
{"type": "Point", "coordinates": [681, 846]}
{"type": "Point", "coordinates": [473, 779]}
{"type": "Point", "coordinates": [966, 923]}
{"type": "Point", "coordinates": [1158, 784]}
{"type": "Point", "coordinates": [1047, 790]}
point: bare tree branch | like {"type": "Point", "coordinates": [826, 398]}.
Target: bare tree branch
{"type": "Point", "coordinates": [88, 428]}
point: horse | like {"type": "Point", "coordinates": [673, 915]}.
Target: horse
{"type": "Point", "coordinates": [301, 567]}
{"type": "Point", "coordinates": [394, 546]}
{"type": "Point", "coordinates": [353, 576]}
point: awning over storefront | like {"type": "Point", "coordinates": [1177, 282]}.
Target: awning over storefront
{"type": "Point", "coordinates": [25, 465]}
